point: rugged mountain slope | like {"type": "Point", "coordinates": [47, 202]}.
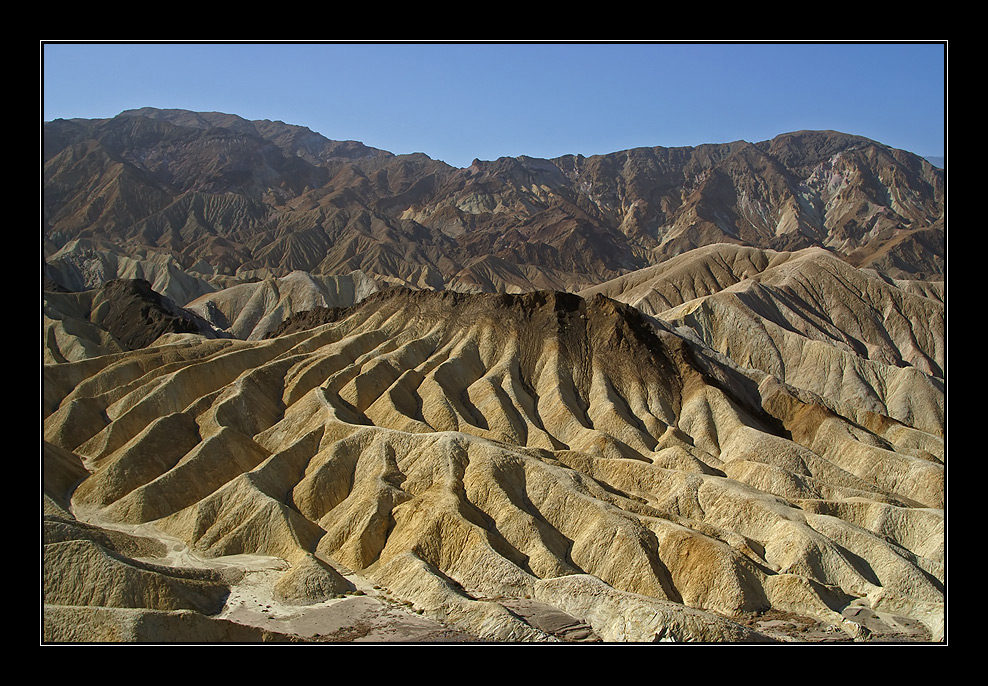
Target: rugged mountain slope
{"type": "Point", "coordinates": [471, 451]}
{"type": "Point", "coordinates": [85, 265]}
{"type": "Point", "coordinates": [83, 286]}
{"type": "Point", "coordinates": [121, 315]}
{"type": "Point", "coordinates": [810, 320]}
{"type": "Point", "coordinates": [243, 196]}
{"type": "Point", "coordinates": [252, 310]}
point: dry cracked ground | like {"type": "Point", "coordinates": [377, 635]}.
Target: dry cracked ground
{"type": "Point", "coordinates": [739, 445]}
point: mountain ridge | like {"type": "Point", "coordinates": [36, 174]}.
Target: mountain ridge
{"type": "Point", "coordinates": [266, 195]}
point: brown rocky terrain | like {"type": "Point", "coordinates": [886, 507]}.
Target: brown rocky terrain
{"type": "Point", "coordinates": [299, 390]}
{"type": "Point", "coordinates": [265, 197]}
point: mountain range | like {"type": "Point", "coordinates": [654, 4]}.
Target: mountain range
{"type": "Point", "coordinates": [690, 394]}
{"type": "Point", "coordinates": [265, 197]}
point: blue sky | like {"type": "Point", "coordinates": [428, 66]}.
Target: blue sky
{"type": "Point", "coordinates": [459, 101]}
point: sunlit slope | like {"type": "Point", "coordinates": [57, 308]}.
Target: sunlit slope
{"type": "Point", "coordinates": [251, 310]}
{"type": "Point", "coordinates": [863, 342]}
{"type": "Point", "coordinates": [459, 448]}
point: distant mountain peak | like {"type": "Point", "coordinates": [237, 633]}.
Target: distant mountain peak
{"type": "Point", "coordinates": [285, 198]}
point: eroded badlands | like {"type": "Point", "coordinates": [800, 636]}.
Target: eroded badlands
{"type": "Point", "coordinates": [642, 472]}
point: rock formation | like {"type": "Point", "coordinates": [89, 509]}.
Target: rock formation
{"type": "Point", "coordinates": [240, 196]}
{"type": "Point", "coordinates": [461, 449]}
{"type": "Point", "coordinates": [296, 389]}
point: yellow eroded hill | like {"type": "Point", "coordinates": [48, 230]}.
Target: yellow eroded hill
{"type": "Point", "coordinates": [465, 450]}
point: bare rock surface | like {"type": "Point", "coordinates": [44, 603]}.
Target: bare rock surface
{"type": "Point", "coordinates": [297, 390]}
{"type": "Point", "coordinates": [252, 310]}
{"type": "Point", "coordinates": [512, 468]}
{"type": "Point", "coordinates": [127, 313]}
{"type": "Point", "coordinates": [122, 314]}
{"type": "Point", "coordinates": [260, 197]}
{"type": "Point", "coordinates": [810, 320]}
